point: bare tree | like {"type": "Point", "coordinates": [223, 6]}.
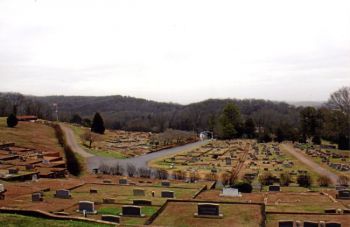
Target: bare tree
{"type": "Point", "coordinates": [179, 175]}
{"type": "Point", "coordinates": [161, 174]}
{"type": "Point", "coordinates": [340, 100]}
{"type": "Point", "coordinates": [343, 180]}
{"type": "Point", "coordinates": [90, 138]}
{"type": "Point", "coordinates": [105, 169]}
{"type": "Point", "coordinates": [145, 172]}
{"type": "Point", "coordinates": [131, 170]}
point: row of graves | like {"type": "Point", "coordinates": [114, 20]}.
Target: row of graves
{"type": "Point", "coordinates": [214, 157]}
{"type": "Point", "coordinates": [335, 160]}
{"type": "Point", "coordinates": [19, 163]}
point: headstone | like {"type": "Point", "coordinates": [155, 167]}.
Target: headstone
{"type": "Point", "coordinates": [88, 206]}
{"type": "Point", "coordinates": [330, 211]}
{"type": "Point", "coordinates": [343, 194]}
{"type": "Point", "coordinates": [233, 192]}
{"type": "Point", "coordinates": [142, 202]}
{"type": "Point", "coordinates": [274, 188]}
{"type": "Point", "coordinates": [110, 218]}
{"type": "Point", "coordinates": [139, 192]}
{"type": "Point", "coordinates": [165, 183]}
{"type": "Point", "coordinates": [34, 177]}
{"type": "Point", "coordinates": [333, 224]}
{"type": "Point", "coordinates": [310, 224]}
{"type": "Point", "coordinates": [2, 188]}
{"type": "Point", "coordinates": [167, 194]}
{"type": "Point", "coordinates": [346, 211]}
{"type": "Point", "coordinates": [131, 211]}
{"type": "Point", "coordinates": [298, 224]}
{"type": "Point", "coordinates": [123, 181]}
{"type": "Point", "coordinates": [13, 171]}
{"type": "Point", "coordinates": [108, 200]}
{"type": "Point", "coordinates": [285, 224]}
{"type": "Point", "coordinates": [208, 209]}
{"type": "Point", "coordinates": [63, 194]}
{"type": "Point", "coordinates": [153, 193]}
{"type": "Point", "coordinates": [92, 190]}
{"type": "Point", "coordinates": [228, 161]}
{"type": "Point", "coordinates": [107, 181]}
{"type": "Point", "coordinates": [37, 197]}
{"type": "Point", "coordinates": [95, 171]}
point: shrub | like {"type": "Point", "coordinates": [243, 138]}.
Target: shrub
{"type": "Point", "coordinates": [12, 121]}
{"type": "Point", "coordinates": [98, 124]}
{"type": "Point", "coordinates": [266, 178]}
{"type": "Point", "coordinates": [343, 180]}
{"type": "Point", "coordinates": [285, 179]}
{"type": "Point", "coordinates": [244, 187]}
{"type": "Point", "coordinates": [225, 178]}
{"type": "Point", "coordinates": [211, 177]}
{"type": "Point", "coordinates": [304, 180]}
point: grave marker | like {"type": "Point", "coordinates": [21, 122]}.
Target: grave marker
{"type": "Point", "coordinates": [285, 224]}
{"type": "Point", "coordinates": [274, 188]}
{"type": "Point", "coordinates": [343, 194]}
{"type": "Point", "coordinates": [233, 192]}
{"type": "Point", "coordinates": [333, 224]}
{"type": "Point", "coordinates": [87, 206]}
{"type": "Point", "coordinates": [123, 181]}
{"type": "Point", "coordinates": [139, 192]}
{"type": "Point", "coordinates": [37, 197]}
{"type": "Point", "coordinates": [310, 224]}
{"type": "Point", "coordinates": [165, 183]}
{"type": "Point", "coordinates": [208, 210]}
{"type": "Point", "coordinates": [63, 194]}
{"type": "Point", "coordinates": [110, 218]}
{"type": "Point", "coordinates": [167, 194]}
{"type": "Point", "coordinates": [142, 202]}
{"type": "Point", "coordinates": [134, 211]}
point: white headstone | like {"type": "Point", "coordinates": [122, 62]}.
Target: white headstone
{"type": "Point", "coordinates": [233, 192]}
{"type": "Point", "coordinates": [2, 188]}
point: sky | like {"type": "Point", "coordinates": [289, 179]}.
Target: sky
{"type": "Point", "coordinates": [176, 51]}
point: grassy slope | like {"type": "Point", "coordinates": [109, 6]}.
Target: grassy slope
{"type": "Point", "coordinates": [31, 135]}
{"type": "Point", "coordinates": [12, 220]}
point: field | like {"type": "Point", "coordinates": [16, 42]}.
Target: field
{"type": "Point", "coordinates": [31, 135]}
{"type": "Point", "coordinates": [125, 144]}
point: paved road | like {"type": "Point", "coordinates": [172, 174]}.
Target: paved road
{"type": "Point", "coordinates": [313, 165]}
{"type": "Point", "coordinates": [71, 141]}
{"type": "Point", "coordinates": [140, 161]}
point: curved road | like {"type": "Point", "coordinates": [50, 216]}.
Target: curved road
{"type": "Point", "coordinates": [313, 165]}
{"type": "Point", "coordinates": [140, 161]}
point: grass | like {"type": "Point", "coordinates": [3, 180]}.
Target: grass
{"type": "Point", "coordinates": [30, 135]}
{"type": "Point", "coordinates": [14, 220]}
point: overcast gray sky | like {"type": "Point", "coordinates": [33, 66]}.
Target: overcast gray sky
{"type": "Point", "coordinates": [180, 50]}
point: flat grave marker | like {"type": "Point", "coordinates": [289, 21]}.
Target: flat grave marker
{"type": "Point", "coordinates": [139, 192]}
{"type": "Point", "coordinates": [110, 218]}
{"type": "Point", "coordinates": [284, 223]}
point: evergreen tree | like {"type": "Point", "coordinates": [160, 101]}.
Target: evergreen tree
{"type": "Point", "coordinates": [76, 119]}
{"type": "Point", "coordinates": [98, 124]}
{"type": "Point", "coordinates": [12, 120]}
{"type": "Point", "coordinates": [249, 128]}
{"type": "Point", "coordinates": [230, 121]}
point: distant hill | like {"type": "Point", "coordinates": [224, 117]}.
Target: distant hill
{"type": "Point", "coordinates": [307, 103]}
{"type": "Point", "coordinates": [123, 112]}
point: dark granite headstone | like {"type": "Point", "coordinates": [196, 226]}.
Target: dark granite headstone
{"type": "Point", "coordinates": [330, 211]}
{"type": "Point", "coordinates": [343, 194]}
{"type": "Point", "coordinates": [167, 194]}
{"type": "Point", "coordinates": [165, 183]}
{"type": "Point", "coordinates": [310, 224]}
{"type": "Point", "coordinates": [13, 171]}
{"type": "Point", "coordinates": [111, 218]}
{"type": "Point", "coordinates": [285, 224]}
{"type": "Point", "coordinates": [333, 224]}
{"type": "Point", "coordinates": [142, 202]}
{"type": "Point", "coordinates": [123, 181]}
{"type": "Point", "coordinates": [208, 209]}
{"type": "Point", "coordinates": [131, 211]}
{"type": "Point", "coordinates": [139, 192]}
{"type": "Point", "coordinates": [274, 188]}
{"type": "Point", "coordinates": [37, 197]}
{"type": "Point", "coordinates": [92, 190]}
{"type": "Point", "coordinates": [63, 194]}
{"type": "Point", "coordinates": [107, 181]}
{"type": "Point", "coordinates": [87, 206]}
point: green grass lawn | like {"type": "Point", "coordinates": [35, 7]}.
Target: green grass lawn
{"type": "Point", "coordinates": [14, 220]}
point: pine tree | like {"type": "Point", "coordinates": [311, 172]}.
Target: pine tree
{"type": "Point", "coordinates": [12, 120]}
{"type": "Point", "coordinates": [97, 124]}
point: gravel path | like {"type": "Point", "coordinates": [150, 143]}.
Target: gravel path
{"type": "Point", "coordinates": [312, 164]}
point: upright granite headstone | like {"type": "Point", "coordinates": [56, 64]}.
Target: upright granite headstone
{"type": "Point", "coordinates": [274, 188]}
{"type": "Point", "coordinates": [228, 161]}
{"type": "Point", "coordinates": [310, 224]}
{"type": "Point", "coordinates": [88, 206]}
{"type": "Point", "coordinates": [123, 181]}
{"type": "Point", "coordinates": [333, 224]}
{"type": "Point", "coordinates": [142, 202]}
{"type": "Point", "coordinates": [285, 223]}
{"type": "Point", "coordinates": [208, 210]}
{"type": "Point", "coordinates": [135, 211]}
{"type": "Point", "coordinates": [167, 194]}
{"type": "Point", "coordinates": [37, 197]}
{"type": "Point", "coordinates": [63, 194]}
{"type": "Point", "coordinates": [139, 192]}
{"type": "Point", "coordinates": [165, 183]}
{"type": "Point", "coordinates": [343, 194]}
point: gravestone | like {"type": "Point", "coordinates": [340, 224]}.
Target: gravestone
{"type": "Point", "coordinates": [2, 188]}
{"type": "Point", "coordinates": [92, 190]}
{"type": "Point", "coordinates": [165, 183]}
{"type": "Point", "coordinates": [63, 194]}
{"type": "Point", "coordinates": [167, 194]}
{"type": "Point", "coordinates": [34, 177]}
{"type": "Point", "coordinates": [13, 171]}
{"type": "Point", "coordinates": [108, 200]}
{"type": "Point", "coordinates": [37, 197]}
{"type": "Point", "coordinates": [139, 192]}
{"type": "Point", "coordinates": [233, 192]}
{"type": "Point", "coordinates": [87, 206]}
{"type": "Point", "coordinates": [110, 218]}
{"type": "Point", "coordinates": [132, 211]}
{"type": "Point", "coordinates": [310, 224]}
{"type": "Point", "coordinates": [228, 161]}
{"type": "Point", "coordinates": [333, 224]}
{"type": "Point", "coordinates": [107, 181]}
{"type": "Point", "coordinates": [330, 211]}
{"type": "Point", "coordinates": [285, 224]}
{"type": "Point", "coordinates": [346, 211]}
{"type": "Point", "coordinates": [142, 202]}
{"type": "Point", "coordinates": [343, 194]}
{"type": "Point", "coordinates": [274, 188]}
{"type": "Point", "coordinates": [298, 224]}
{"type": "Point", "coordinates": [123, 181]}
{"type": "Point", "coordinates": [208, 210]}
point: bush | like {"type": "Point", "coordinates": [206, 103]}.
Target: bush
{"type": "Point", "coordinates": [304, 180]}
{"type": "Point", "coordinates": [244, 187]}
{"type": "Point", "coordinates": [12, 121]}
{"type": "Point", "coordinates": [285, 179]}
{"type": "Point", "coordinates": [225, 178]}
{"type": "Point", "coordinates": [324, 181]}
{"type": "Point", "coordinates": [316, 140]}
{"type": "Point", "coordinates": [343, 180]}
{"type": "Point", "coordinates": [266, 178]}
{"type": "Point", "coordinates": [211, 177]}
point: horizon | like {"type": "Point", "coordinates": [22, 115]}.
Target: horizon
{"type": "Point", "coordinates": [181, 52]}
